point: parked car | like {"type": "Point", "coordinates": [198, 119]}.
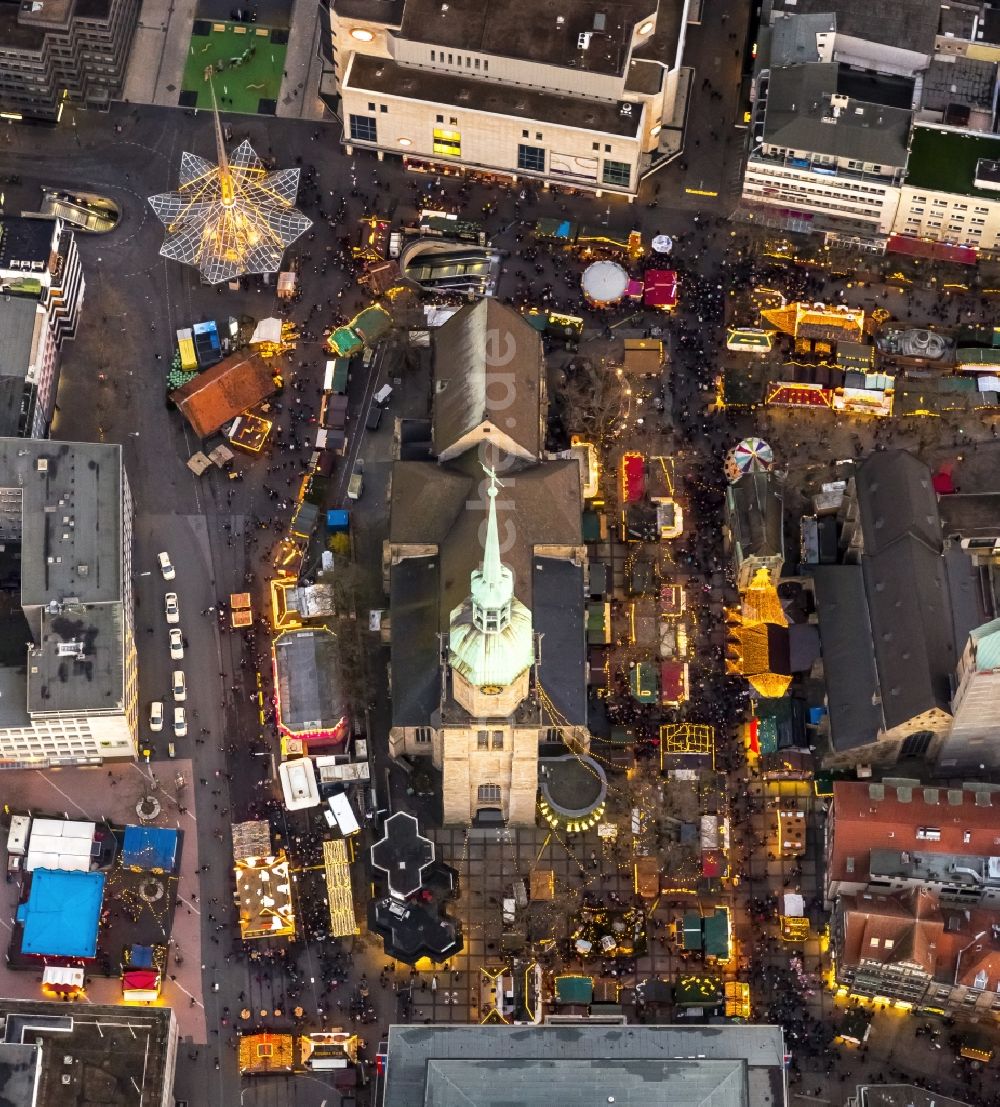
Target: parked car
{"type": "Point", "coordinates": [156, 715]}
{"type": "Point", "coordinates": [176, 644]}
{"type": "Point", "coordinates": [171, 607]}
{"type": "Point", "coordinates": [180, 722]}
{"type": "Point", "coordinates": [179, 686]}
{"type": "Point", "coordinates": [166, 568]}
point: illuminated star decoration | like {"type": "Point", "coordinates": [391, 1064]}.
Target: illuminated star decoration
{"type": "Point", "coordinates": [232, 218]}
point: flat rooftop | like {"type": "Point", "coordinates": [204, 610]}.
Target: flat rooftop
{"type": "Point", "coordinates": [553, 1066]}
{"type": "Point", "coordinates": [79, 664]}
{"type": "Point", "coordinates": [384, 77]}
{"type": "Point", "coordinates": [545, 31]}
{"type": "Point", "coordinates": [902, 24]}
{"type": "Point", "coordinates": [25, 244]}
{"type": "Point", "coordinates": [114, 1051]}
{"type": "Point", "coordinates": [945, 161]}
{"type": "Point", "coordinates": [70, 515]}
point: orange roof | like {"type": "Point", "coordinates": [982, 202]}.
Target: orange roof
{"type": "Point", "coordinates": [873, 816]}
{"type": "Point", "coordinates": [212, 398]}
{"type": "Point", "coordinates": [905, 928]}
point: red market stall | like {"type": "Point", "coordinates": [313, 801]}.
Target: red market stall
{"type": "Point", "coordinates": [633, 469]}
{"type": "Point", "coordinates": [661, 289]}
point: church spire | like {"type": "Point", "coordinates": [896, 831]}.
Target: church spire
{"type": "Point", "coordinates": [225, 173]}
{"type": "Point", "coordinates": [493, 583]}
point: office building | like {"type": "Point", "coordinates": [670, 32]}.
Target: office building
{"type": "Point", "coordinates": [42, 286]}
{"type": "Point", "coordinates": [53, 1054]}
{"type": "Point", "coordinates": [68, 674]}
{"type": "Point", "coordinates": [901, 836]}
{"type": "Point", "coordinates": [576, 94]}
{"type": "Point", "coordinates": [486, 582]}
{"type": "Point", "coordinates": [563, 1066]}
{"type": "Point", "coordinates": [59, 52]}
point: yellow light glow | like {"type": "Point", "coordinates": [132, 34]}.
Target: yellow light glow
{"type": "Point", "coordinates": [362, 35]}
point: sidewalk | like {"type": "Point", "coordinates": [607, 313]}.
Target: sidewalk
{"type": "Point", "coordinates": [299, 98]}
{"type": "Point", "coordinates": [159, 51]}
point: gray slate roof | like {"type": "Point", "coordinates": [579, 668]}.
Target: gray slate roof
{"type": "Point", "coordinates": [798, 103]}
{"type": "Point", "coordinates": [561, 623]}
{"type": "Point", "coordinates": [896, 499]}
{"type": "Point", "coordinates": [554, 1066]}
{"type": "Point", "coordinates": [755, 516]}
{"type": "Point", "coordinates": [904, 24]}
{"type": "Point", "coordinates": [488, 366]}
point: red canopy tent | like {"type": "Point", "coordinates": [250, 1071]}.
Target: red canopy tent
{"type": "Point", "coordinates": [661, 289]}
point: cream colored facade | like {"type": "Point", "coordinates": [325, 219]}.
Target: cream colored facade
{"type": "Point", "coordinates": [869, 200]}
{"type": "Point", "coordinates": [586, 124]}
{"type": "Point", "coordinates": [949, 217]}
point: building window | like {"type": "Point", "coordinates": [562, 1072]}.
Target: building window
{"type": "Point", "coordinates": [524, 134]}
{"type": "Point", "coordinates": [423, 734]}
{"type": "Point", "coordinates": [383, 108]}
{"type": "Point", "coordinates": [551, 734]}
{"type": "Point", "coordinates": [438, 118]}
{"type": "Point", "coordinates": [486, 66]}
{"type": "Point", "coordinates": [596, 145]}
{"type": "Point", "coordinates": [617, 173]}
{"type": "Point", "coordinates": [448, 143]}
{"type": "Point", "coordinates": [477, 63]}
{"type": "Point", "coordinates": [452, 121]}
{"type": "Point", "coordinates": [607, 148]}
{"type": "Point", "coordinates": [498, 739]}
{"type": "Point", "coordinates": [371, 107]}
{"type": "Point", "coordinates": [482, 739]}
{"type": "Point", "coordinates": [531, 158]}
{"type": "Point", "coordinates": [489, 793]}
{"type": "Point", "coordinates": [363, 128]}
{"type": "Point", "coordinates": [917, 744]}
{"type": "Point", "coordinates": [433, 55]}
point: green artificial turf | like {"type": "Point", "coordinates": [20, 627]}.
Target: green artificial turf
{"type": "Point", "coordinates": [237, 88]}
{"type": "Point", "coordinates": [945, 161]}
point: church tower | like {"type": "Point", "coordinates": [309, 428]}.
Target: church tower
{"type": "Point", "coordinates": [490, 655]}
{"type": "Point", "coordinates": [491, 648]}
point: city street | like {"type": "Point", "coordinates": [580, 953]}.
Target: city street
{"type": "Point", "coordinates": [220, 532]}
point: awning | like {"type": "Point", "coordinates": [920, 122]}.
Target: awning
{"type": "Point", "coordinates": [936, 251]}
{"type": "Point", "coordinates": [59, 975]}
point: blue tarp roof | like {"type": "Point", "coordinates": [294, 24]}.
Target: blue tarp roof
{"type": "Point", "coordinates": [141, 957]}
{"type": "Point", "coordinates": [62, 914]}
{"type": "Point", "coordinates": [150, 847]}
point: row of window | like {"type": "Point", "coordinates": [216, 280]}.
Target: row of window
{"type": "Point", "coordinates": [487, 739]}
{"type": "Point", "coordinates": [470, 63]}
{"type": "Point", "coordinates": [448, 143]}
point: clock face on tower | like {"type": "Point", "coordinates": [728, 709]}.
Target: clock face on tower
{"type": "Point", "coordinates": [491, 689]}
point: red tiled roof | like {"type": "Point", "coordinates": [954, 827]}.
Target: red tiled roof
{"type": "Point", "coordinates": [236, 384]}
{"type": "Point", "coordinates": [911, 922]}
{"type": "Point", "coordinates": [863, 822]}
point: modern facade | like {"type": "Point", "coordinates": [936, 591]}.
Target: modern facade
{"type": "Point", "coordinates": [561, 1066]}
{"type": "Point", "coordinates": [53, 1053]}
{"type": "Point", "coordinates": [485, 575]}
{"type": "Point", "coordinates": [878, 129]}
{"type": "Point", "coordinates": [68, 672]}
{"type": "Point", "coordinates": [951, 191]}
{"type": "Point", "coordinates": [828, 144]}
{"type": "Point", "coordinates": [576, 95]}
{"type": "Point", "coordinates": [58, 52]}
{"type": "Point", "coordinates": [42, 283]}
{"type": "Point", "coordinates": [901, 836]}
